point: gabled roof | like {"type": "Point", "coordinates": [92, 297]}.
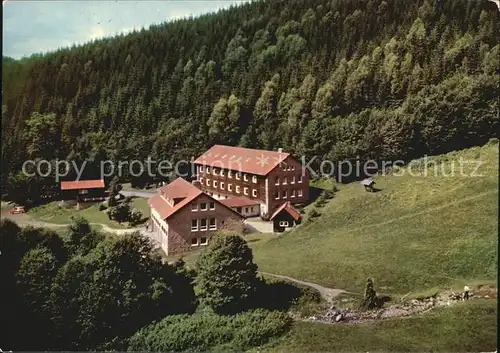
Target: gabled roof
{"type": "Point", "coordinates": [287, 207]}
{"type": "Point", "coordinates": [367, 182]}
{"type": "Point", "coordinates": [182, 192]}
{"type": "Point", "coordinates": [179, 190]}
{"type": "Point", "coordinates": [240, 201]}
{"type": "Point", "coordinates": [259, 162]}
{"type": "Point", "coordinates": [82, 184]}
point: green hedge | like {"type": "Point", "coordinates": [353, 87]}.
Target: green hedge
{"type": "Point", "coordinates": [209, 331]}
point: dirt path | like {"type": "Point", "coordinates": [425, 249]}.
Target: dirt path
{"type": "Point", "coordinates": [328, 294]}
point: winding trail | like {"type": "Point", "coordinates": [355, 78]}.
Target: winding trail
{"type": "Point", "coordinates": [328, 294]}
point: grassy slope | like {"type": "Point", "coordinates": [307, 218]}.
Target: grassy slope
{"type": "Point", "coordinates": [55, 213]}
{"type": "Point", "coordinates": [467, 327]}
{"type": "Point", "coordinates": [416, 234]}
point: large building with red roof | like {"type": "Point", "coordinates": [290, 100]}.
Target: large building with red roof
{"type": "Point", "coordinates": [184, 218]}
{"type": "Point", "coordinates": [269, 177]}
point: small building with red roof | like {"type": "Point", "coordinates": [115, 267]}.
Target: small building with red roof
{"type": "Point", "coordinates": [84, 190]}
{"type": "Point", "coordinates": [247, 207]}
{"type": "Point", "coordinates": [286, 216]}
{"type": "Point", "coordinates": [184, 218]}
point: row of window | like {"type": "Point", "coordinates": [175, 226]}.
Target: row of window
{"type": "Point", "coordinates": [221, 172]}
{"type": "Point", "coordinates": [284, 194]}
{"type": "Point", "coordinates": [203, 224]}
{"type": "Point", "coordinates": [203, 206]}
{"type": "Point", "coordinates": [221, 185]}
{"type": "Point", "coordinates": [284, 181]}
{"type": "Point", "coordinates": [199, 241]}
{"type": "Point", "coordinates": [287, 167]}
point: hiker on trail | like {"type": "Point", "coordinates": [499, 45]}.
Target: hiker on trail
{"type": "Point", "coordinates": [466, 293]}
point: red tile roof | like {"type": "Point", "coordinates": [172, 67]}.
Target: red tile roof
{"type": "Point", "coordinates": [259, 162]}
{"type": "Point", "coordinates": [179, 190]}
{"type": "Point", "coordinates": [82, 184]}
{"type": "Point", "coordinates": [182, 192]}
{"type": "Point", "coordinates": [292, 211]}
{"type": "Point", "coordinates": [239, 202]}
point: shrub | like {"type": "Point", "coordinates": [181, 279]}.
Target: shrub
{"type": "Point", "coordinates": [135, 216]}
{"type": "Point", "coordinates": [314, 213]}
{"type": "Point", "coordinates": [211, 332]}
{"type": "Point", "coordinates": [102, 207]}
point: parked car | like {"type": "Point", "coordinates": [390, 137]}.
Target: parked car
{"type": "Point", "coordinates": [17, 210]}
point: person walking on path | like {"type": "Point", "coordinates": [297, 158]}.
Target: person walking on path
{"type": "Point", "coordinates": [466, 293]}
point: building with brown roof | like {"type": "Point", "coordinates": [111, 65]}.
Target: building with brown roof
{"type": "Point", "coordinates": [84, 190]}
{"type": "Point", "coordinates": [269, 177]}
{"type": "Point", "coordinates": [286, 216]}
{"type": "Point", "coordinates": [184, 218]}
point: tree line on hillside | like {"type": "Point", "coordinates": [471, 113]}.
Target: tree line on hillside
{"type": "Point", "coordinates": [385, 79]}
{"type": "Point", "coordinates": [82, 290]}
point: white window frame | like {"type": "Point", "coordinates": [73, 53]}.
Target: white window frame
{"type": "Point", "coordinates": [201, 180]}
{"type": "Point", "coordinates": [293, 194]}
{"type": "Point", "coordinates": [285, 180]}
{"type": "Point", "coordinates": [221, 172]}
{"type": "Point", "coordinates": [300, 179]}
{"type": "Point", "coordinates": [194, 207]}
{"type": "Point", "coordinates": [254, 192]}
{"type": "Point", "coordinates": [245, 177]}
{"type": "Point", "coordinates": [230, 174]}
{"type": "Point", "coordinates": [214, 226]}
{"type": "Point", "coordinates": [214, 171]}
{"type": "Point", "coordinates": [197, 242]}
{"type": "Point", "coordinates": [254, 179]}
{"type": "Point", "coordinates": [238, 176]}
{"type": "Point", "coordinates": [237, 189]}
{"type": "Point", "coordinates": [277, 181]}
{"type": "Point", "coordinates": [208, 170]}
{"type": "Point", "coordinates": [283, 223]}
{"type": "Point", "coordinates": [284, 194]}
{"type": "Point", "coordinates": [299, 193]}
{"type": "Point", "coordinates": [203, 228]}
{"type": "Point", "coordinates": [277, 196]}
{"type": "Point", "coordinates": [209, 205]}
{"type": "Point", "coordinates": [293, 180]}
{"type": "Point", "coordinates": [229, 187]}
{"type": "Point", "coordinates": [245, 191]}
{"type": "Point", "coordinates": [215, 183]}
{"type": "Point", "coordinates": [203, 243]}
{"type": "Point", "coordinates": [206, 206]}
{"type": "Point", "coordinates": [194, 229]}
{"type": "Point", "coordinates": [208, 182]}
{"type": "Point", "coordinates": [222, 185]}
{"type": "Point", "coordinates": [200, 168]}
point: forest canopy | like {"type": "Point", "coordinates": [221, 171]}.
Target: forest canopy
{"type": "Point", "coordinates": [337, 79]}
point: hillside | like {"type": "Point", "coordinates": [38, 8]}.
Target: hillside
{"type": "Point", "coordinates": [416, 234]}
{"type": "Point", "coordinates": [344, 78]}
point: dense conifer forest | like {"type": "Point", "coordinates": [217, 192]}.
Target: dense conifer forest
{"type": "Point", "coordinates": [334, 78]}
